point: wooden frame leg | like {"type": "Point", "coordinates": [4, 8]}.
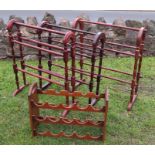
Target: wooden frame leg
{"type": "Point", "coordinates": [131, 102]}
{"type": "Point", "coordinates": [19, 90]}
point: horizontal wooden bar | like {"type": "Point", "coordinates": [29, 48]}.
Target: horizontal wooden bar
{"type": "Point", "coordinates": [60, 120]}
{"type": "Point", "coordinates": [111, 25]}
{"type": "Point", "coordinates": [72, 29]}
{"type": "Point", "coordinates": [81, 71]}
{"type": "Point", "coordinates": [105, 49]}
{"type": "Point", "coordinates": [116, 79]}
{"type": "Point", "coordinates": [113, 43]}
{"type": "Point", "coordinates": [57, 41]}
{"type": "Point", "coordinates": [120, 52]}
{"type": "Point", "coordinates": [37, 48]}
{"type": "Point", "coordinates": [38, 76]}
{"type": "Point", "coordinates": [73, 135]}
{"type": "Point", "coordinates": [122, 45]}
{"type": "Point", "coordinates": [73, 107]}
{"type": "Point", "coordinates": [40, 28]}
{"type": "Point", "coordinates": [84, 55]}
{"type": "Point", "coordinates": [85, 44]}
{"type": "Point", "coordinates": [57, 65]}
{"type": "Point", "coordinates": [53, 73]}
{"type": "Point", "coordinates": [81, 81]}
{"type": "Point", "coordinates": [108, 77]}
{"type": "Point", "coordinates": [41, 43]}
{"type": "Point", "coordinates": [46, 71]}
{"type": "Point", "coordinates": [53, 92]}
{"type": "Point", "coordinates": [110, 69]}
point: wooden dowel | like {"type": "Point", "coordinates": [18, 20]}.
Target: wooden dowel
{"type": "Point", "coordinates": [42, 43]}
{"type": "Point", "coordinates": [38, 48]}
{"type": "Point", "coordinates": [38, 76]}
{"type": "Point", "coordinates": [40, 28]}
{"type": "Point", "coordinates": [113, 43]}
{"type": "Point", "coordinates": [110, 25]}
{"type": "Point", "coordinates": [46, 71]}
{"type": "Point", "coordinates": [110, 69]}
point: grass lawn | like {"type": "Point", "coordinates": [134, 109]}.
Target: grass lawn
{"type": "Point", "coordinates": [135, 127]}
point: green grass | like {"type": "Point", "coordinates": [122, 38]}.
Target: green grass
{"type": "Point", "coordinates": [136, 127]}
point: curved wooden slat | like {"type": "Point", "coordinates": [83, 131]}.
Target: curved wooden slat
{"type": "Point", "coordinates": [73, 107]}
{"type": "Point", "coordinates": [66, 93]}
{"type": "Point", "coordinates": [73, 135]}
{"type": "Point", "coordinates": [54, 120]}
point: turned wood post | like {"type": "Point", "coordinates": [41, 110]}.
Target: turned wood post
{"type": "Point", "coordinates": [49, 56]}
{"type": "Point", "coordinates": [65, 57]}
{"type": "Point", "coordinates": [77, 22]}
{"type": "Point", "coordinates": [40, 62]}
{"type": "Point", "coordinates": [140, 43]}
{"type": "Point", "coordinates": [14, 59]}
{"type": "Point", "coordinates": [99, 38]}
{"type": "Point", "coordinates": [21, 54]}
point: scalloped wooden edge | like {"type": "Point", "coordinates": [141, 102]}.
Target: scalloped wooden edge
{"type": "Point", "coordinates": [74, 94]}
{"type": "Point", "coordinates": [61, 120]}
{"type": "Point", "coordinates": [73, 135]}
{"type": "Point", "coordinates": [74, 106]}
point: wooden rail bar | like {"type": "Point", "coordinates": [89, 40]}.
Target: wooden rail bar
{"type": "Point", "coordinates": [108, 77]}
{"type": "Point", "coordinates": [38, 76]}
{"type": "Point", "coordinates": [40, 28]}
{"type": "Point", "coordinates": [72, 29]}
{"type": "Point", "coordinates": [110, 25]}
{"type": "Point", "coordinates": [110, 50]}
{"type": "Point", "coordinates": [110, 69]}
{"type": "Point", "coordinates": [113, 43]}
{"type": "Point", "coordinates": [42, 43]}
{"type": "Point", "coordinates": [46, 71]}
{"type": "Point", "coordinates": [55, 120]}
{"type": "Point", "coordinates": [38, 48]}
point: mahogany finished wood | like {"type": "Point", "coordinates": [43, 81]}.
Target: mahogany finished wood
{"type": "Point", "coordinates": [39, 45]}
{"type": "Point", "coordinates": [36, 119]}
{"type": "Point", "coordinates": [137, 53]}
{"type": "Point", "coordinates": [83, 50]}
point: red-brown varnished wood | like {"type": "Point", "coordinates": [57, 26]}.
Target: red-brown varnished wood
{"type": "Point", "coordinates": [41, 46]}
{"type": "Point", "coordinates": [35, 118]}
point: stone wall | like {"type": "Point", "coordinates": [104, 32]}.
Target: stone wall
{"type": "Point", "coordinates": [113, 34]}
